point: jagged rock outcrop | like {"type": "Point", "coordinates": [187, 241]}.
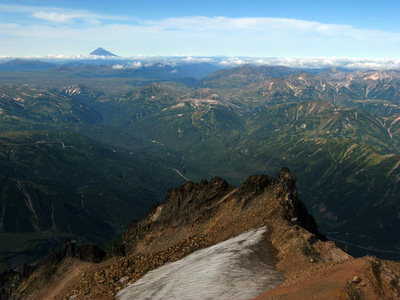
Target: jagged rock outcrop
{"type": "Point", "coordinates": [10, 281]}
{"type": "Point", "coordinates": [295, 210]}
{"type": "Point", "coordinates": [68, 249]}
{"type": "Point", "coordinates": [195, 204]}
{"type": "Point", "coordinates": [88, 252]}
{"type": "Point", "coordinates": [199, 215]}
{"type": "Point", "coordinates": [188, 204]}
{"type": "Point", "coordinates": [48, 268]}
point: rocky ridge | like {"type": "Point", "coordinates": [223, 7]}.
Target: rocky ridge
{"type": "Point", "coordinates": [198, 215]}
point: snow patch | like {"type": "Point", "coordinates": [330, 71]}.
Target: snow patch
{"type": "Point", "coordinates": [239, 268]}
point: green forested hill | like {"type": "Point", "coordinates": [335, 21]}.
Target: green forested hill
{"type": "Point", "coordinates": [68, 185]}
{"type": "Point", "coordinates": [83, 161]}
{"type": "Point", "coordinates": [346, 159]}
{"type": "Point", "coordinates": [57, 182]}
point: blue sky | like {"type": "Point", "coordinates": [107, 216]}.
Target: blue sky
{"type": "Point", "coordinates": [264, 28]}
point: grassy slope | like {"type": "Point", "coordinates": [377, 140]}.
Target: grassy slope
{"type": "Point", "coordinates": [345, 159]}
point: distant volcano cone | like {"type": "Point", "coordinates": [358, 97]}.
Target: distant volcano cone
{"type": "Point", "coordinates": [102, 52]}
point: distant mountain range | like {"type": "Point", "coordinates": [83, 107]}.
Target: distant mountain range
{"type": "Point", "coordinates": [189, 73]}
{"type": "Point", "coordinates": [25, 65]}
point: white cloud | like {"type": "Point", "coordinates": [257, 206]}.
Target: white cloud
{"type": "Point", "coordinates": [315, 62]}
{"type": "Point", "coordinates": [132, 65]}
{"type": "Point", "coordinates": [59, 15]}
{"type": "Point", "coordinates": [62, 30]}
{"type": "Point", "coordinates": [54, 16]}
{"type": "Point", "coordinates": [138, 62]}
{"type": "Point", "coordinates": [261, 25]}
{"type": "Point", "coordinates": [191, 59]}
{"type": "Point", "coordinates": [200, 23]}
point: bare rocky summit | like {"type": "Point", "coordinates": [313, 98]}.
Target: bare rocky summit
{"type": "Point", "coordinates": [199, 215]}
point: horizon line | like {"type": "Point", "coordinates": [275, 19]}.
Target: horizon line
{"type": "Point", "coordinates": [139, 61]}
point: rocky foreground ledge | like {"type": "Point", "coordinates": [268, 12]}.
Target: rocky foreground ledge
{"type": "Point", "coordinates": [199, 215]}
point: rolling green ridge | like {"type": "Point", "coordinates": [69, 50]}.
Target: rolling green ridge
{"type": "Point", "coordinates": [346, 158]}
{"type": "Point", "coordinates": [64, 183]}
{"type": "Point", "coordinates": [83, 160]}
{"type": "Point", "coordinates": [57, 182]}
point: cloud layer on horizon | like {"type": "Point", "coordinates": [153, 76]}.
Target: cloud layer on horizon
{"type": "Point", "coordinates": [316, 62]}
{"type": "Point", "coordinates": [138, 62]}
{"type": "Point", "coordinates": [50, 30]}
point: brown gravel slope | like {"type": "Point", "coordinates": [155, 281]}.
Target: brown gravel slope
{"type": "Point", "coordinates": [197, 215]}
{"type": "Point", "coordinates": [363, 278]}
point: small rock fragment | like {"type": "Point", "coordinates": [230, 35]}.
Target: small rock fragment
{"type": "Point", "coordinates": [123, 279]}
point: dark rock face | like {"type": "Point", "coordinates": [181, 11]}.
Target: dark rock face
{"type": "Point", "coordinates": [192, 200]}
{"type": "Point", "coordinates": [91, 253]}
{"type": "Point", "coordinates": [116, 250]}
{"type": "Point", "coordinates": [68, 249]}
{"type": "Point", "coordinates": [11, 280]}
{"type": "Point", "coordinates": [253, 186]}
{"type": "Point", "coordinates": [294, 209]}
{"type": "Point", "coordinates": [189, 203]}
